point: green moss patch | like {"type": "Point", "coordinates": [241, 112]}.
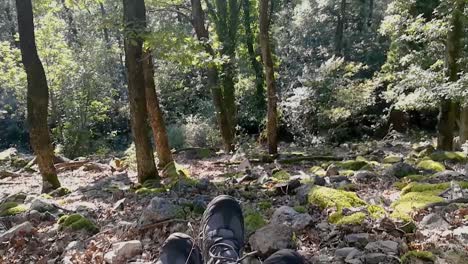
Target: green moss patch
{"type": "Point", "coordinates": [376, 211]}
{"type": "Point", "coordinates": [12, 208]}
{"type": "Point", "coordinates": [448, 156]}
{"type": "Point", "coordinates": [148, 191]}
{"type": "Point", "coordinates": [281, 175]}
{"type": "Point", "coordinates": [174, 170]}
{"type": "Point", "coordinates": [317, 170]}
{"type": "Point", "coordinates": [300, 209]}
{"type": "Point", "coordinates": [392, 159]}
{"type": "Point", "coordinates": [264, 205]}
{"type": "Point", "coordinates": [431, 165]}
{"type": "Point", "coordinates": [347, 173]}
{"type": "Point", "coordinates": [77, 222]}
{"type": "Point", "coordinates": [339, 219]}
{"type": "Point", "coordinates": [421, 255]}
{"type": "Point", "coordinates": [412, 201]}
{"type": "Point", "coordinates": [352, 164]}
{"type": "Point", "coordinates": [253, 221]}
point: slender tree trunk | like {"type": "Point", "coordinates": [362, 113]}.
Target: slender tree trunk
{"type": "Point", "coordinates": [229, 93]}
{"type": "Point", "coordinates": [105, 29]}
{"type": "Point", "coordinates": [448, 109]}
{"type": "Point", "coordinates": [10, 21]}
{"type": "Point", "coordinates": [371, 13]}
{"type": "Point", "coordinates": [72, 30]}
{"type": "Point", "coordinates": [256, 66]}
{"type": "Point", "coordinates": [339, 34]}
{"type": "Point", "coordinates": [155, 114]}
{"type": "Point", "coordinates": [272, 126]}
{"type": "Point", "coordinates": [198, 21]}
{"type": "Point", "coordinates": [37, 97]}
{"type": "Point", "coordinates": [135, 25]}
{"type": "Point", "coordinates": [463, 125]}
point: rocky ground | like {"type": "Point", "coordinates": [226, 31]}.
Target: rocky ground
{"type": "Point", "coordinates": [391, 201]}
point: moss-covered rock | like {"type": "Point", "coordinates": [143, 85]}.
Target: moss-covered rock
{"type": "Point", "coordinates": [375, 211]}
{"type": "Point", "coordinates": [317, 170]}
{"type": "Point", "coordinates": [424, 187]}
{"type": "Point", "coordinates": [347, 173]}
{"type": "Point", "coordinates": [174, 170]}
{"type": "Point", "coordinates": [327, 197]}
{"type": "Point", "coordinates": [300, 209]}
{"type": "Point", "coordinates": [411, 256]}
{"type": "Point", "coordinates": [412, 201]}
{"type": "Point", "coordinates": [281, 175]}
{"type": "Point", "coordinates": [352, 164]}
{"type": "Point", "coordinates": [253, 221]}
{"type": "Point", "coordinates": [12, 208]}
{"type": "Point", "coordinates": [390, 159]}
{"type": "Point", "coordinates": [448, 156]}
{"type": "Point", "coordinates": [77, 222]}
{"type": "Point", "coordinates": [431, 165]}
{"type": "Point", "coordinates": [339, 219]}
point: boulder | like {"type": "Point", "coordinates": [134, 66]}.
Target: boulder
{"type": "Point", "coordinates": [23, 228]}
{"type": "Point", "coordinates": [272, 238]}
{"type": "Point", "coordinates": [288, 216]}
{"type": "Point", "coordinates": [434, 221]}
{"type": "Point", "coordinates": [400, 170]}
{"type": "Point", "coordinates": [358, 239]}
{"type": "Point", "coordinates": [122, 251]}
{"type": "Point", "coordinates": [159, 209]}
{"type": "Point", "coordinates": [332, 170]}
{"type": "Point", "coordinates": [365, 176]}
{"type": "Point", "coordinates": [43, 205]}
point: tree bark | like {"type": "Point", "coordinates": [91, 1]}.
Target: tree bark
{"type": "Point", "coordinates": [272, 126]}
{"type": "Point", "coordinates": [37, 97]}
{"type": "Point", "coordinates": [72, 30]}
{"type": "Point", "coordinates": [339, 34]}
{"type": "Point", "coordinates": [9, 18]}
{"type": "Point", "coordinates": [155, 114]}
{"type": "Point", "coordinates": [448, 109]}
{"type": "Point", "coordinates": [135, 25]}
{"type": "Point", "coordinates": [256, 66]}
{"type": "Point", "coordinates": [198, 22]}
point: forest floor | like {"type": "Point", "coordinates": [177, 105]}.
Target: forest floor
{"type": "Point", "coordinates": [389, 201]}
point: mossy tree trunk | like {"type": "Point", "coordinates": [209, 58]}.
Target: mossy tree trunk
{"type": "Point", "coordinates": [448, 108]}
{"type": "Point", "coordinates": [198, 22]}
{"type": "Point", "coordinates": [155, 114]}
{"type": "Point", "coordinates": [135, 26]}
{"type": "Point", "coordinates": [37, 97]}
{"type": "Point", "coordinates": [256, 66]}
{"type": "Point", "coordinates": [225, 15]}
{"type": "Point", "coordinates": [272, 125]}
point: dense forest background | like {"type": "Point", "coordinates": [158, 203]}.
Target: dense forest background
{"type": "Point", "coordinates": [345, 70]}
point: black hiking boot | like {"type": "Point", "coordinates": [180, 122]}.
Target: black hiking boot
{"type": "Point", "coordinates": [179, 249]}
{"type": "Point", "coordinates": [222, 231]}
{"type": "Point", "coordinates": [285, 256]}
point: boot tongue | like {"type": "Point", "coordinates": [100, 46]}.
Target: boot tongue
{"type": "Point", "coordinates": [224, 246]}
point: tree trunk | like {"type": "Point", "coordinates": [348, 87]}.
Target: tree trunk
{"type": "Point", "coordinates": [155, 115]}
{"type": "Point", "coordinates": [72, 30]}
{"type": "Point", "coordinates": [135, 25]}
{"type": "Point", "coordinates": [371, 13]}
{"type": "Point", "coordinates": [105, 30]}
{"type": "Point", "coordinates": [9, 18]}
{"type": "Point", "coordinates": [256, 66]}
{"type": "Point", "coordinates": [339, 34]}
{"type": "Point", "coordinates": [37, 97]}
{"type": "Point", "coordinates": [448, 109]}
{"type": "Point", "coordinates": [463, 125]}
{"type": "Point", "coordinates": [272, 130]}
{"type": "Point", "coordinates": [198, 21]}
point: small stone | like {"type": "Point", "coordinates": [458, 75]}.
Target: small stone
{"type": "Point", "coordinates": [332, 170]}
{"type": "Point", "coordinates": [119, 205]}
{"type": "Point", "coordinates": [320, 181]}
{"type": "Point", "coordinates": [400, 170]}
{"type": "Point", "coordinates": [302, 193]}
{"type": "Point", "coordinates": [288, 216]}
{"type": "Point", "coordinates": [159, 209]}
{"type": "Point", "coordinates": [461, 233]}
{"type": "Point", "coordinates": [434, 221]}
{"type": "Point", "coordinates": [344, 252]}
{"type": "Point", "coordinates": [34, 216]}
{"type": "Point", "coordinates": [25, 228]}
{"type": "Point", "coordinates": [384, 246]}
{"type": "Point", "coordinates": [364, 176]}
{"type": "Point", "coordinates": [272, 238]}
{"type": "Point", "coordinates": [359, 239]}
{"type": "Point", "coordinates": [43, 205]}
{"type": "Point", "coordinates": [122, 251]}
{"type": "Point", "coordinates": [375, 258]}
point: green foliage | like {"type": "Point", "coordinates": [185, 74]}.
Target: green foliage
{"type": "Point", "coordinates": [253, 221]}
{"type": "Point", "coordinates": [281, 175]}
